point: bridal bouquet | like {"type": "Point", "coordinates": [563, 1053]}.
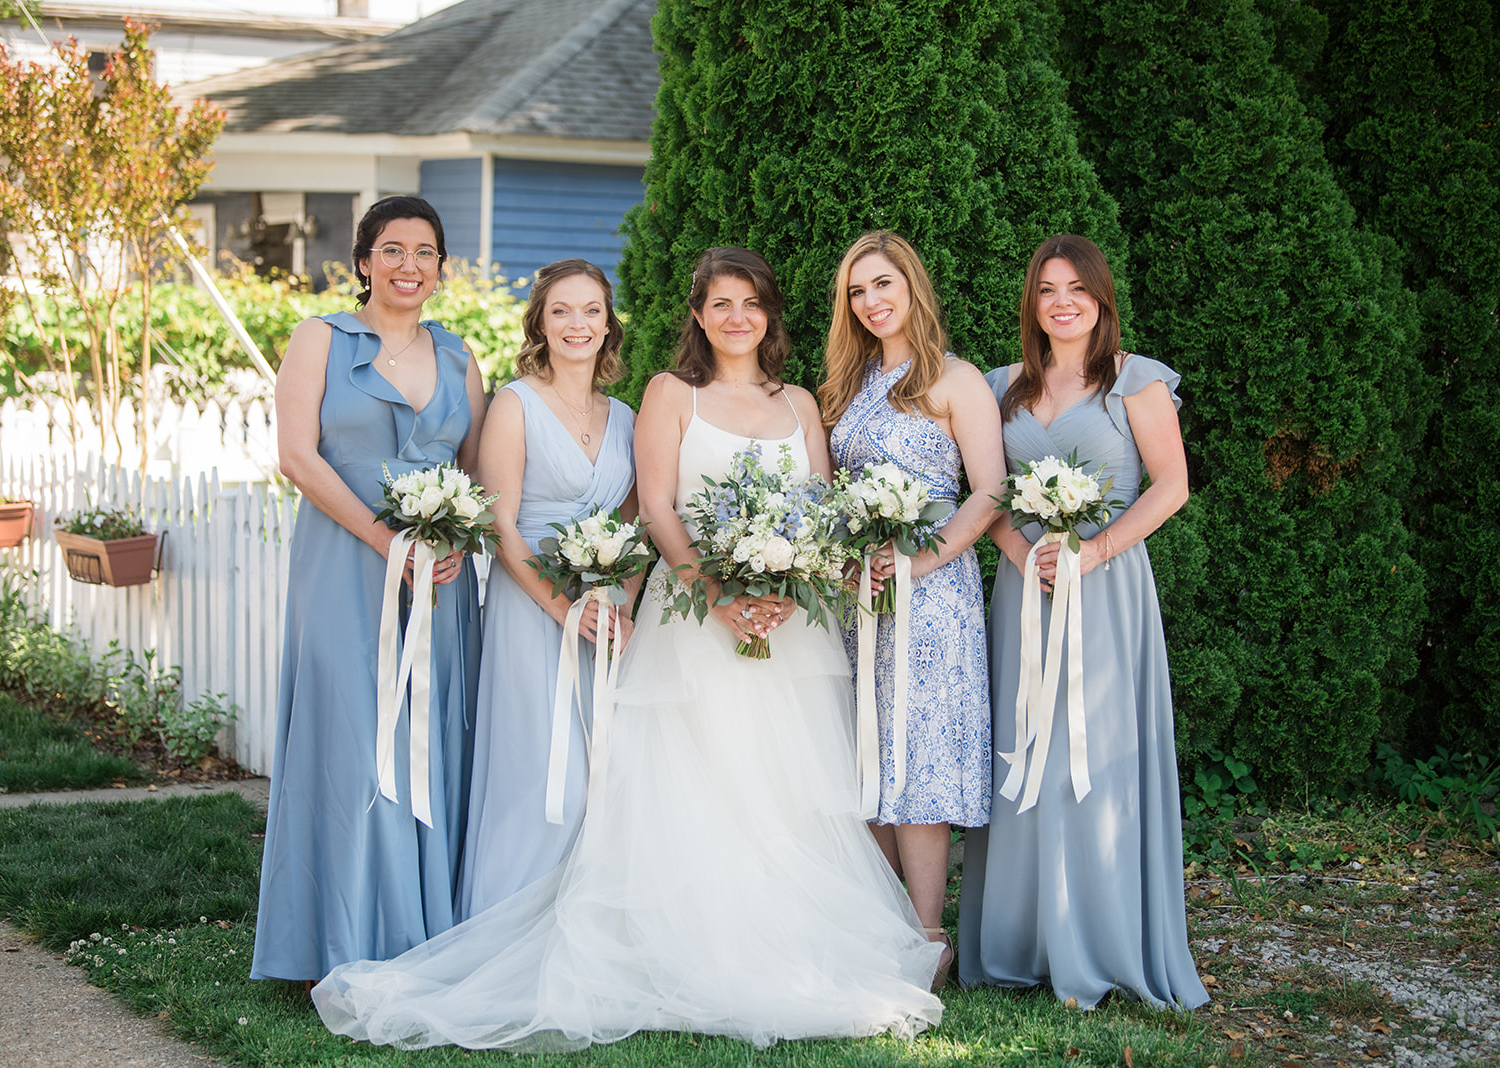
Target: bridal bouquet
{"type": "Point", "coordinates": [440, 506]}
{"type": "Point", "coordinates": [1059, 494]}
{"type": "Point", "coordinates": [764, 533]}
{"type": "Point", "coordinates": [600, 549]}
{"type": "Point", "coordinates": [883, 503]}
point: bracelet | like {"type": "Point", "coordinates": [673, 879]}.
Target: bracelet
{"type": "Point", "coordinates": [1109, 549]}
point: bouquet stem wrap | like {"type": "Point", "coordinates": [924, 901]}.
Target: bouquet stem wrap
{"type": "Point", "coordinates": [867, 742]}
{"type": "Point", "coordinates": [1036, 697]}
{"type": "Point", "coordinates": [569, 684]}
{"type": "Point", "coordinates": [415, 664]}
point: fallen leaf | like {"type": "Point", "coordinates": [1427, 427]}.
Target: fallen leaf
{"type": "Point", "coordinates": [1070, 1003]}
{"type": "Point", "coordinates": [1129, 1058]}
{"type": "Point", "coordinates": [1237, 1051]}
{"type": "Point", "coordinates": [1071, 1052]}
{"type": "Point", "coordinates": [1380, 1028]}
{"type": "Point", "coordinates": [12, 949]}
{"type": "Point", "coordinates": [1373, 1052]}
{"type": "Point", "coordinates": [1235, 1036]}
{"type": "Point", "coordinates": [1209, 980]}
{"type": "Point", "coordinates": [151, 789]}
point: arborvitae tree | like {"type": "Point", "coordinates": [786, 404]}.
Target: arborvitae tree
{"type": "Point", "coordinates": [1410, 91]}
{"type": "Point", "coordinates": [1297, 345]}
{"type": "Point", "coordinates": [792, 126]}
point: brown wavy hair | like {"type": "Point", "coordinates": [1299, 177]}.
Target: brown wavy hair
{"type": "Point", "coordinates": [851, 346]}
{"type": "Point", "coordinates": [1036, 347]}
{"type": "Point", "coordinates": [695, 362]}
{"type": "Point", "coordinates": [533, 358]}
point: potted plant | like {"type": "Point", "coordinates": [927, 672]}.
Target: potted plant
{"type": "Point", "coordinates": [108, 546]}
{"type": "Point", "coordinates": [15, 521]}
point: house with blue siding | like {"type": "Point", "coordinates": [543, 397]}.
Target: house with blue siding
{"type": "Point", "coordinates": [526, 123]}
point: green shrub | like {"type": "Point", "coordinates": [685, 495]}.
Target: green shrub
{"type": "Point", "coordinates": [1408, 90]}
{"type": "Point", "coordinates": [792, 126]}
{"type": "Point", "coordinates": [1291, 599]}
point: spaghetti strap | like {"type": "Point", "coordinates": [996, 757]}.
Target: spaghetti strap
{"type": "Point", "coordinates": [789, 403]}
{"type": "Point", "coordinates": [695, 401]}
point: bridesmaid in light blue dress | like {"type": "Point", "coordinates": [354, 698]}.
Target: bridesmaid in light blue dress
{"type": "Point", "coordinates": [895, 395]}
{"type": "Point", "coordinates": [554, 449]}
{"type": "Point", "coordinates": [1087, 895]}
{"type": "Point", "coordinates": [347, 875]}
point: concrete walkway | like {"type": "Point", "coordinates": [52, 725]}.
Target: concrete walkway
{"type": "Point", "coordinates": [51, 1016]}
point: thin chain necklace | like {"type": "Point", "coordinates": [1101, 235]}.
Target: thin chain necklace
{"type": "Point", "coordinates": [391, 356]}
{"type": "Point", "coordinates": [583, 432]}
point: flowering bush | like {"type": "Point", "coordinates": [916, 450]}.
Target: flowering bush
{"type": "Point", "coordinates": [883, 503]}
{"type": "Point", "coordinates": [765, 533]}
{"type": "Point", "coordinates": [600, 549]}
{"type": "Point", "coordinates": [442, 506]}
{"type": "Point", "coordinates": [1060, 495]}
{"type": "Point", "coordinates": [106, 524]}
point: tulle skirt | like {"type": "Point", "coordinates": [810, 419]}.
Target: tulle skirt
{"type": "Point", "coordinates": [722, 883]}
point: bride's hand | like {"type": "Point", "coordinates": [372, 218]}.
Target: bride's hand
{"type": "Point", "coordinates": [752, 617]}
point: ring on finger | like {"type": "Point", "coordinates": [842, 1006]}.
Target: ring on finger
{"type": "Point", "coordinates": [745, 613]}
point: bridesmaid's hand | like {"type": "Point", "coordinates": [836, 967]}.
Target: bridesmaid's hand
{"type": "Point", "coordinates": [1090, 556]}
{"type": "Point", "coordinates": [627, 625]}
{"type": "Point", "coordinates": [445, 570]}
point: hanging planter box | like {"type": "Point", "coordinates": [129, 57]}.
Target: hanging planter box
{"type": "Point", "coordinates": [120, 562]}
{"type": "Point", "coordinates": [15, 523]}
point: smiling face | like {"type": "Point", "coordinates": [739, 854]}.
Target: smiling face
{"type": "Point", "coordinates": [879, 296]}
{"type": "Point", "coordinates": [732, 317]}
{"type": "Point", "coordinates": [1065, 310]}
{"type": "Point", "coordinates": [575, 320]}
{"type": "Point", "coordinates": [409, 284]}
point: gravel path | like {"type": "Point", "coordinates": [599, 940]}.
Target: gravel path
{"type": "Point", "coordinates": [51, 1016]}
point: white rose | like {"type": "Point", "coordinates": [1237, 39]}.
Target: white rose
{"type": "Point", "coordinates": [609, 550]}
{"type": "Point", "coordinates": [466, 507]}
{"type": "Point", "coordinates": [757, 564]}
{"type": "Point", "coordinates": [430, 501]}
{"type": "Point", "coordinates": [641, 549]}
{"type": "Point", "coordinates": [779, 553]}
{"type": "Point", "coordinates": [430, 477]}
{"type": "Point", "coordinates": [592, 526]}
{"type": "Point", "coordinates": [1070, 496]}
{"type": "Point", "coordinates": [575, 552]}
{"type": "Point", "coordinates": [1033, 496]}
{"type": "Point", "coordinates": [410, 505]}
{"type": "Point", "coordinates": [1047, 509]}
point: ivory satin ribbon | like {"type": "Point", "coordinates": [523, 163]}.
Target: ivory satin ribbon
{"type": "Point", "coordinates": [867, 736]}
{"type": "Point", "coordinates": [569, 685]}
{"type": "Point", "coordinates": [414, 664]}
{"type": "Point", "coordinates": [1036, 696]}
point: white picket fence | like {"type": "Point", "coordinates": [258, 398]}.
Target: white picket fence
{"type": "Point", "coordinates": [236, 437]}
{"type": "Point", "coordinates": [215, 609]}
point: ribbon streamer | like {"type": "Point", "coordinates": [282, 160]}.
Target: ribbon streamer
{"type": "Point", "coordinates": [568, 687]}
{"type": "Point", "coordinates": [1036, 694]}
{"type": "Point", "coordinates": [867, 722]}
{"type": "Point", "coordinates": [414, 664]}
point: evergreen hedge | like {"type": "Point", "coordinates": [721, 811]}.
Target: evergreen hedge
{"type": "Point", "coordinates": [1292, 602]}
{"type": "Point", "coordinates": [1410, 91]}
{"type": "Point", "coordinates": [792, 126]}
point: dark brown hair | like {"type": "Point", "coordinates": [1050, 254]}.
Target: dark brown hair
{"type": "Point", "coordinates": [851, 345]}
{"type": "Point", "coordinates": [1099, 366]}
{"type": "Point", "coordinates": [534, 358]}
{"type": "Point", "coordinates": [695, 363]}
{"type": "Point", "coordinates": [385, 211]}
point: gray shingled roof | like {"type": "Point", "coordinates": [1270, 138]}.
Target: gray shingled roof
{"type": "Point", "coordinates": [553, 68]}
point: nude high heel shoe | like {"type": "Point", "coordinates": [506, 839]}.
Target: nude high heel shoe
{"type": "Point", "coordinates": [945, 961]}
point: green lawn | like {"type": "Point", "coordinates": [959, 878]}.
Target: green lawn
{"type": "Point", "coordinates": [43, 751]}
{"type": "Point", "coordinates": [169, 889]}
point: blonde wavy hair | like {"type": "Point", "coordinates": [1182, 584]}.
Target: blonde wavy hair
{"type": "Point", "coordinates": [533, 359]}
{"type": "Point", "coordinates": [851, 346]}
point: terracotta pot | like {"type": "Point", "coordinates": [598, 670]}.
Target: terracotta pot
{"type": "Point", "coordinates": [121, 562]}
{"type": "Point", "coordinates": [15, 523]}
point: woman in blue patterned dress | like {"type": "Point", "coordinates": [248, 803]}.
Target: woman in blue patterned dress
{"type": "Point", "coordinates": [894, 394]}
{"type": "Point", "coordinates": [349, 875]}
{"type": "Point", "coordinates": [554, 448]}
{"type": "Point", "coordinates": [1085, 893]}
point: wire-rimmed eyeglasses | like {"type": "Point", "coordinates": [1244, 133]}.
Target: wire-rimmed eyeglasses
{"type": "Point", "coordinates": [394, 256]}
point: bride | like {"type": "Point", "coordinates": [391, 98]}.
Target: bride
{"type": "Point", "coordinates": [722, 881]}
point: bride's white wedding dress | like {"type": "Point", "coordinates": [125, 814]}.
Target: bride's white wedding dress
{"type": "Point", "coordinates": [722, 881]}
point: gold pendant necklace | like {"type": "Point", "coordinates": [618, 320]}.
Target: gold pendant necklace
{"type": "Point", "coordinates": [583, 432]}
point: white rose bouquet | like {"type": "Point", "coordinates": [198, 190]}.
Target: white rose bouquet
{"type": "Point", "coordinates": [600, 549]}
{"type": "Point", "coordinates": [441, 506]}
{"type": "Point", "coordinates": [882, 503]}
{"type": "Point", "coordinates": [765, 533]}
{"type": "Point", "coordinates": [1060, 495]}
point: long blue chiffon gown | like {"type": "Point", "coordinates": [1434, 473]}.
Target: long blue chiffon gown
{"type": "Point", "coordinates": [343, 879]}
{"type": "Point", "coordinates": [1086, 896]}
{"type": "Point", "coordinates": [509, 841]}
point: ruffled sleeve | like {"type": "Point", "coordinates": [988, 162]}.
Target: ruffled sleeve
{"type": "Point", "coordinates": [1138, 373]}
